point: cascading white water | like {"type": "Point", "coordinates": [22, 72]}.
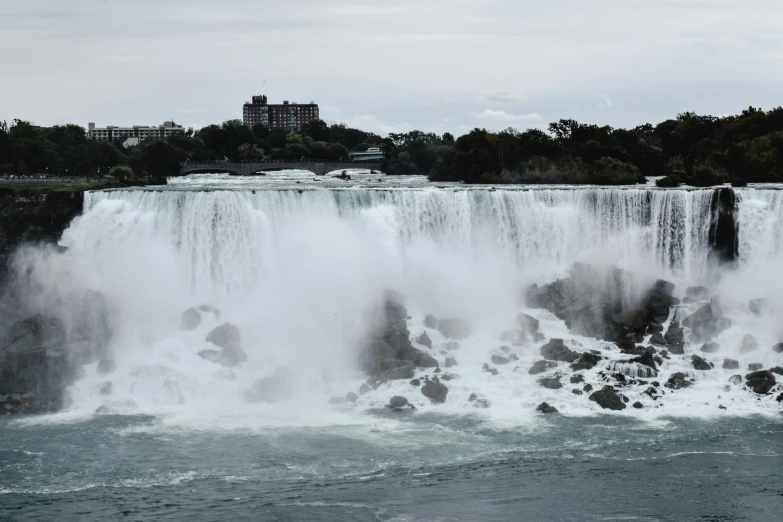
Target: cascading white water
{"type": "Point", "coordinates": [297, 267]}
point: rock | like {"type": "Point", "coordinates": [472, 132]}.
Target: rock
{"type": "Point", "coordinates": [608, 399]}
{"type": "Point", "coordinates": [546, 408]}
{"type": "Point", "coordinates": [450, 362]}
{"type": "Point", "coordinates": [106, 366]}
{"type": "Point", "coordinates": [210, 355]}
{"type": "Point", "coordinates": [398, 370]}
{"type": "Point", "coordinates": [106, 388]}
{"type": "Point", "coordinates": [777, 369]}
{"type": "Point", "coordinates": [540, 367]}
{"type": "Point", "coordinates": [454, 328]}
{"type": "Point", "coordinates": [710, 348]}
{"type": "Point", "coordinates": [190, 320]}
{"type": "Point", "coordinates": [398, 401]}
{"type": "Point", "coordinates": [638, 405]}
{"type": "Point", "coordinates": [760, 382]}
{"type": "Point", "coordinates": [586, 361]}
{"type": "Point", "coordinates": [706, 323]}
{"type": "Point", "coordinates": [279, 386]}
{"type": "Point", "coordinates": [577, 378]}
{"type": "Point", "coordinates": [232, 355]}
{"type": "Point", "coordinates": [730, 364]}
{"type": "Point", "coordinates": [646, 359]}
{"type": "Point", "coordinates": [415, 382]}
{"type": "Point", "coordinates": [736, 380]}
{"type": "Point", "coordinates": [698, 293]}
{"type": "Point", "coordinates": [588, 388]}
{"type": "Point", "coordinates": [424, 340]}
{"type": "Point", "coordinates": [633, 319]}
{"type": "Point", "coordinates": [758, 306]}
{"type": "Point", "coordinates": [654, 328]}
{"type": "Point", "coordinates": [364, 388]}
{"type": "Point", "coordinates": [34, 334]}
{"type": "Point", "coordinates": [430, 321]}
{"type": "Point", "coordinates": [493, 371]}
{"type": "Point", "coordinates": [749, 344]}
{"type": "Point", "coordinates": [451, 345]}
{"type": "Point", "coordinates": [700, 364]}
{"type": "Point", "coordinates": [658, 339]}
{"type": "Point", "coordinates": [552, 383]}
{"type": "Point", "coordinates": [754, 367]}
{"type": "Point", "coordinates": [678, 381]}
{"type": "Point", "coordinates": [224, 335]}
{"type": "Point", "coordinates": [497, 359]}
{"type": "Point", "coordinates": [528, 324]}
{"type": "Point", "coordinates": [435, 391]}
{"type": "Point", "coordinates": [674, 337]}
{"type": "Point", "coordinates": [351, 397]}
{"type": "Point", "coordinates": [555, 350]}
{"type": "Point", "coordinates": [778, 348]}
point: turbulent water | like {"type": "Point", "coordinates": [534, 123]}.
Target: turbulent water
{"type": "Point", "coordinates": [296, 264]}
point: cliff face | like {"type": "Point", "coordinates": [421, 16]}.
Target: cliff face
{"type": "Point", "coordinates": [34, 216]}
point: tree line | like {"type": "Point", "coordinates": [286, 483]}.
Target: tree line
{"type": "Point", "coordinates": [693, 149]}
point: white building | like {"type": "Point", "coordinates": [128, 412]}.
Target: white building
{"type": "Point", "coordinates": [140, 133]}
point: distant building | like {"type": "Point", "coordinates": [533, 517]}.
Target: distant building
{"type": "Point", "coordinates": [371, 154]}
{"type": "Point", "coordinates": [289, 116]}
{"type": "Point", "coordinates": [137, 132]}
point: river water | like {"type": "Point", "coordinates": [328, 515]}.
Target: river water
{"type": "Point", "coordinates": [295, 263]}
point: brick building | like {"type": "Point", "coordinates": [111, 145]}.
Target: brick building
{"type": "Point", "coordinates": [289, 116]}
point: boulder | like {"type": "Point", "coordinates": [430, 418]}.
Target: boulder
{"type": "Point", "coordinates": [232, 355]}
{"type": "Point", "coordinates": [190, 320]}
{"type": "Point", "coordinates": [364, 388]}
{"type": "Point", "coordinates": [224, 335]}
{"type": "Point", "coordinates": [351, 397]}
{"type": "Point", "coordinates": [546, 408]}
{"type": "Point", "coordinates": [106, 388]}
{"type": "Point", "coordinates": [700, 364]}
{"type": "Point", "coordinates": [555, 350]}
{"type": "Point", "coordinates": [749, 344]}
{"type": "Point", "coordinates": [777, 369]}
{"type": "Point", "coordinates": [528, 324]}
{"type": "Point", "coordinates": [450, 362]}
{"type": "Point", "coordinates": [435, 391]}
{"type": "Point", "coordinates": [736, 380]}
{"type": "Point", "coordinates": [758, 306]}
{"type": "Point", "coordinates": [424, 340]}
{"type": "Point", "coordinates": [497, 359]}
{"type": "Point", "coordinates": [451, 345]}
{"type": "Point", "coordinates": [698, 293]}
{"type": "Point", "coordinates": [577, 378]}
{"type": "Point", "coordinates": [608, 399]}
{"type": "Point", "coordinates": [638, 405]}
{"type": "Point", "coordinates": [454, 328]}
{"type": "Point", "coordinates": [678, 381]}
{"type": "Point", "coordinates": [430, 321]}
{"type": "Point", "coordinates": [778, 348]}
{"type": "Point", "coordinates": [655, 328]}
{"type": "Point", "coordinates": [674, 336]}
{"type": "Point", "coordinates": [710, 348]}
{"type": "Point", "coordinates": [415, 383]}
{"type": "Point", "coordinates": [586, 361]}
{"type": "Point", "coordinates": [541, 367]}
{"type": "Point", "coordinates": [760, 382]}
{"type": "Point", "coordinates": [646, 359]}
{"type": "Point", "coordinates": [730, 364]}
{"type": "Point", "coordinates": [397, 370]}
{"type": "Point", "coordinates": [398, 401]}
{"type": "Point", "coordinates": [551, 383]}
{"type": "Point", "coordinates": [588, 388]}
{"type": "Point", "coordinates": [658, 339]}
{"type": "Point", "coordinates": [754, 367]}
{"type": "Point", "coordinates": [633, 319]}
{"type": "Point", "coordinates": [106, 366]}
{"type": "Point", "coordinates": [706, 322]}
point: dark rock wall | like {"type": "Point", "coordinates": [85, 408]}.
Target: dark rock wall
{"type": "Point", "coordinates": [724, 233]}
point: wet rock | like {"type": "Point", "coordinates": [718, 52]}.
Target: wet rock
{"type": "Point", "coordinates": [698, 293]}
{"type": "Point", "coordinates": [106, 366]}
{"type": "Point", "coordinates": [675, 338]}
{"type": "Point", "coordinates": [424, 340]}
{"type": "Point", "coordinates": [435, 391]}
{"type": "Point", "coordinates": [106, 388]}
{"type": "Point", "coordinates": [577, 378]}
{"type": "Point", "coordinates": [279, 386]}
{"type": "Point", "coordinates": [736, 380]}
{"type": "Point", "coordinates": [513, 357]}
{"type": "Point", "coordinates": [528, 324]}
{"type": "Point", "coordinates": [608, 399]}
{"type": "Point", "coordinates": [415, 382]}
{"type": "Point", "coordinates": [398, 401]}
{"type": "Point", "coordinates": [541, 367]}
{"type": "Point", "coordinates": [658, 339]}
{"type": "Point", "coordinates": [555, 350]}
{"type": "Point", "coordinates": [754, 367]}
{"type": "Point", "coordinates": [493, 371]}
{"type": "Point", "coordinates": [577, 391]}
{"type": "Point", "coordinates": [397, 370]}
{"type": "Point", "coordinates": [710, 348]}
{"type": "Point", "coordinates": [679, 381]}
{"type": "Point", "coordinates": [454, 328]}
{"type": "Point", "coordinates": [700, 364]}
{"type": "Point", "coordinates": [655, 328]}
{"type": "Point", "coordinates": [451, 345]}
{"type": "Point", "coordinates": [505, 349]}
{"type": "Point", "coordinates": [497, 359]}
{"type": "Point", "coordinates": [450, 362]}
{"type": "Point", "coordinates": [224, 335]}
{"type": "Point", "coordinates": [730, 364]}
{"type": "Point", "coordinates": [586, 361]}
{"type": "Point", "coordinates": [351, 397]}
{"type": "Point", "coordinates": [546, 408]}
{"type": "Point", "coordinates": [777, 369]}
{"type": "Point", "coordinates": [749, 344]}
{"type": "Point", "coordinates": [760, 382]}
{"type": "Point", "coordinates": [190, 320]}
{"type": "Point", "coordinates": [588, 388]}
{"type": "Point", "coordinates": [646, 359]}
{"type": "Point", "coordinates": [551, 383]}
{"type": "Point", "coordinates": [633, 319]}
{"type": "Point", "coordinates": [430, 321]}
{"type": "Point", "coordinates": [232, 355]}
{"type": "Point", "coordinates": [364, 388]}
{"type": "Point", "coordinates": [758, 306]}
{"type": "Point", "coordinates": [638, 405]}
{"type": "Point", "coordinates": [706, 323]}
{"type": "Point", "coordinates": [778, 348]}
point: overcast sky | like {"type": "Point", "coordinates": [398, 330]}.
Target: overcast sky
{"type": "Point", "coordinates": [389, 66]}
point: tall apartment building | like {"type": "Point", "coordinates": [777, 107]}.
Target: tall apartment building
{"type": "Point", "coordinates": [289, 116]}
{"type": "Point", "coordinates": [140, 133]}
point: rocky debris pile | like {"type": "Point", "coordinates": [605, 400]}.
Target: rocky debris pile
{"type": "Point", "coordinates": [388, 353]}
{"type": "Point", "coordinates": [227, 337]}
